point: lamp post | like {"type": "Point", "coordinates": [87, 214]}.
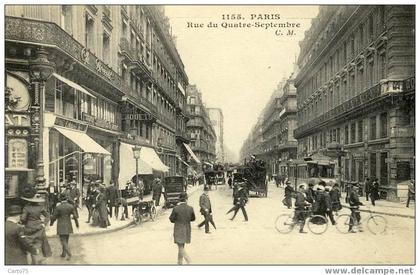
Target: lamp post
{"type": "Point", "coordinates": [40, 69]}
{"type": "Point", "coordinates": [136, 154]}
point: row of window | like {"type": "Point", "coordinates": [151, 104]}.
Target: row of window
{"type": "Point", "coordinates": [354, 169]}
{"type": "Point", "coordinates": [353, 132]}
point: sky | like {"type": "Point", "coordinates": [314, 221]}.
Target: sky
{"type": "Point", "coordinates": [238, 68]}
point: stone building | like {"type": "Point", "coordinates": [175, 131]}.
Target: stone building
{"type": "Point", "coordinates": [272, 139]}
{"type": "Point", "coordinates": [355, 93]}
{"type": "Point", "coordinates": [200, 128]}
{"type": "Point", "coordinates": [216, 118]}
{"type": "Point", "coordinates": [84, 85]}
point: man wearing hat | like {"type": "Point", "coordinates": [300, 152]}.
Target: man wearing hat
{"type": "Point", "coordinates": [182, 215]}
{"type": "Point", "coordinates": [240, 200]}
{"type": "Point", "coordinates": [205, 210]}
{"type": "Point", "coordinates": [328, 203]}
{"type": "Point", "coordinates": [15, 250]}
{"type": "Point", "coordinates": [35, 217]}
{"type": "Point", "coordinates": [62, 214]}
{"type": "Point", "coordinates": [157, 191]}
{"type": "Point", "coordinates": [300, 207]}
{"type": "Point", "coordinates": [354, 203]}
{"type": "Point", "coordinates": [288, 193]}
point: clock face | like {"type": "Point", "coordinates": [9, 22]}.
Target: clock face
{"type": "Point", "coordinates": [19, 99]}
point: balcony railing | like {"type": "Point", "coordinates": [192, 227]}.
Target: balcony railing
{"type": "Point", "coordinates": [387, 87]}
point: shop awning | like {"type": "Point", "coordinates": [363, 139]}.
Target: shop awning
{"type": "Point", "coordinates": [85, 142]}
{"type": "Point", "coordinates": [149, 156]}
{"type": "Point", "coordinates": [72, 84]}
{"type": "Point", "coordinates": [181, 160]}
{"type": "Point", "coordinates": [190, 151]}
{"type": "Point", "coordinates": [128, 165]}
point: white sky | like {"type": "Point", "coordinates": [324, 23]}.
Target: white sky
{"type": "Point", "coordinates": [237, 69]}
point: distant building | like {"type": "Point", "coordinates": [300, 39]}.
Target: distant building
{"type": "Point", "coordinates": [200, 128]}
{"type": "Point", "coordinates": [216, 118]}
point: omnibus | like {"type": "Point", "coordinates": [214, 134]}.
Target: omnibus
{"type": "Point", "coordinates": [313, 172]}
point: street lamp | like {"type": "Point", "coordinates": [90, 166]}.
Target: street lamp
{"type": "Point", "coordinates": [136, 154]}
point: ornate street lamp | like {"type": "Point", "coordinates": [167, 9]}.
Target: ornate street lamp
{"type": "Point", "coordinates": [136, 154]}
{"type": "Point", "coordinates": [40, 69]}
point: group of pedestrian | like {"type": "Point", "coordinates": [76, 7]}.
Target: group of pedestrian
{"type": "Point", "coordinates": [97, 201]}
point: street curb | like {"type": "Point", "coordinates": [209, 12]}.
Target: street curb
{"type": "Point", "coordinates": [161, 210]}
{"type": "Point", "coordinates": [384, 213]}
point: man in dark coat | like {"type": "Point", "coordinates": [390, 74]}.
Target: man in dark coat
{"type": "Point", "coordinates": [368, 186]}
{"type": "Point", "coordinates": [240, 199]}
{"type": "Point", "coordinates": [182, 215]}
{"type": "Point", "coordinates": [335, 196]}
{"type": "Point", "coordinates": [62, 214]}
{"type": "Point", "coordinates": [15, 251]}
{"type": "Point", "coordinates": [411, 192]}
{"type": "Point", "coordinates": [354, 203]}
{"type": "Point", "coordinates": [328, 203]}
{"type": "Point", "coordinates": [374, 193]}
{"type": "Point", "coordinates": [205, 210]}
{"type": "Point", "coordinates": [301, 204]}
{"type": "Point", "coordinates": [91, 199]}
{"type": "Point", "coordinates": [111, 195]}
{"type": "Point", "coordinates": [288, 193]}
{"type": "Point", "coordinates": [157, 191]}
{"type": "Point", "coordinates": [310, 193]}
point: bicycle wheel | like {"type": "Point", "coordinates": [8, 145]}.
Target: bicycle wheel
{"type": "Point", "coordinates": [376, 224]}
{"type": "Point", "coordinates": [317, 224]}
{"type": "Point", "coordinates": [284, 223]}
{"type": "Point", "coordinates": [136, 216]}
{"type": "Point", "coordinates": [153, 213]}
{"type": "Point", "coordinates": [342, 223]}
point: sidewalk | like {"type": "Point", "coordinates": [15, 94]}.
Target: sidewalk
{"type": "Point", "coordinates": [385, 207]}
{"type": "Point", "coordinates": [86, 229]}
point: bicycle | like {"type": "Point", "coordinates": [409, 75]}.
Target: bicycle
{"type": "Point", "coordinates": [144, 209]}
{"type": "Point", "coordinates": [317, 224]}
{"type": "Point", "coordinates": [375, 223]}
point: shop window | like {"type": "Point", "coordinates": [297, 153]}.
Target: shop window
{"type": "Point", "coordinates": [373, 128]}
{"type": "Point", "coordinates": [373, 165]}
{"type": "Point", "coordinates": [384, 168]}
{"type": "Point", "coordinates": [384, 125]}
{"type": "Point", "coordinates": [89, 32]}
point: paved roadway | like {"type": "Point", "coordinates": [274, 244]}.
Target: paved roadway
{"type": "Point", "coordinates": [239, 242]}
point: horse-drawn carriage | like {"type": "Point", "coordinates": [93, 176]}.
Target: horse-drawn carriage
{"type": "Point", "coordinates": [174, 186]}
{"type": "Point", "coordinates": [254, 174]}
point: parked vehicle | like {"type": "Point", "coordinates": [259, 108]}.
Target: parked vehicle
{"type": "Point", "coordinates": [174, 186]}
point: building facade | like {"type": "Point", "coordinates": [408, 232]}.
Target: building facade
{"type": "Point", "coordinates": [273, 140]}
{"type": "Point", "coordinates": [355, 93]}
{"type": "Point", "coordinates": [200, 129]}
{"type": "Point", "coordinates": [86, 83]}
{"type": "Point", "coordinates": [216, 118]}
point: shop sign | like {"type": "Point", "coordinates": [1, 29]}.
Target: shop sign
{"type": "Point", "coordinates": [91, 120]}
{"type": "Point", "coordinates": [140, 117]}
{"type": "Point", "coordinates": [70, 124]}
{"type": "Point", "coordinates": [17, 120]}
{"type": "Point", "coordinates": [18, 153]}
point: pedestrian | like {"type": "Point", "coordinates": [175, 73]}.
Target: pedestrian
{"type": "Point", "coordinates": [354, 203]}
{"type": "Point", "coordinates": [101, 206]}
{"type": "Point", "coordinates": [240, 200]}
{"type": "Point", "coordinates": [34, 218]}
{"type": "Point", "coordinates": [230, 182]}
{"type": "Point", "coordinates": [15, 250]}
{"type": "Point", "coordinates": [157, 191]}
{"type": "Point", "coordinates": [90, 200]}
{"type": "Point", "coordinates": [320, 202]}
{"type": "Point", "coordinates": [74, 194]}
{"type": "Point", "coordinates": [301, 204]}
{"type": "Point", "coordinates": [205, 210]}
{"type": "Point", "coordinates": [182, 215]}
{"type": "Point", "coordinates": [112, 195]}
{"type": "Point", "coordinates": [288, 193]}
{"type": "Point", "coordinates": [411, 192]}
{"type": "Point", "coordinates": [63, 214]}
{"type": "Point", "coordinates": [374, 191]}
{"type": "Point", "coordinates": [310, 193]}
{"type": "Point", "coordinates": [328, 203]}
{"type": "Point", "coordinates": [368, 186]}
{"type": "Point", "coordinates": [335, 195]}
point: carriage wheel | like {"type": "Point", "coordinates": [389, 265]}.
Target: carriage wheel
{"type": "Point", "coordinates": [136, 216]}
{"type": "Point", "coordinates": [153, 213]}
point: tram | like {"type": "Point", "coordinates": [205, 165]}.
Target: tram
{"type": "Point", "coordinates": [313, 171]}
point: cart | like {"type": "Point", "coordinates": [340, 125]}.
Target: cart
{"type": "Point", "coordinates": [174, 186]}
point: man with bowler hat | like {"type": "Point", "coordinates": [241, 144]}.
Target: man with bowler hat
{"type": "Point", "coordinates": [15, 250]}
{"type": "Point", "coordinates": [205, 210]}
{"type": "Point", "coordinates": [182, 215]}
